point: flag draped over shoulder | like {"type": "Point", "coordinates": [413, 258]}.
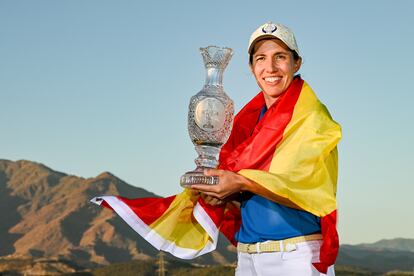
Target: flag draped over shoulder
{"type": "Point", "coordinates": [291, 152]}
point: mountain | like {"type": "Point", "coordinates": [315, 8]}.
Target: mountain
{"type": "Point", "coordinates": [374, 259]}
{"type": "Point", "coordinates": [398, 244]}
{"type": "Point", "coordinates": [47, 214]}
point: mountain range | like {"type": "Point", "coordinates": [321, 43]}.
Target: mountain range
{"type": "Point", "coordinates": [46, 214]}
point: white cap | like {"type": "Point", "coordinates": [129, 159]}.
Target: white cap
{"type": "Point", "coordinates": [272, 30]}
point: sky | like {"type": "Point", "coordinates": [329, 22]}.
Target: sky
{"type": "Point", "coordinates": [94, 86]}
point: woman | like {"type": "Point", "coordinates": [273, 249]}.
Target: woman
{"type": "Point", "coordinates": [280, 232]}
{"type": "Point", "coordinates": [280, 161]}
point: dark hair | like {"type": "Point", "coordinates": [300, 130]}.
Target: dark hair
{"type": "Point", "coordinates": [296, 57]}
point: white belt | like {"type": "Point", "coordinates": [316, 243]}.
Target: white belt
{"type": "Point", "coordinates": [276, 246]}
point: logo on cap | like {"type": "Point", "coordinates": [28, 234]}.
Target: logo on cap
{"type": "Point", "coordinates": [269, 28]}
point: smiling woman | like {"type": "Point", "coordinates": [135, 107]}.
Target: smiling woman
{"type": "Point", "coordinates": [277, 174]}
{"type": "Point", "coordinates": [281, 153]}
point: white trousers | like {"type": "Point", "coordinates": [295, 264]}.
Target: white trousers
{"type": "Point", "coordinates": [297, 262]}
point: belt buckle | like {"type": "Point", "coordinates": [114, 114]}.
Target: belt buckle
{"type": "Point", "coordinates": [251, 248]}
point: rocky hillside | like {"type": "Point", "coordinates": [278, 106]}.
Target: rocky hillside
{"type": "Point", "coordinates": [46, 214]}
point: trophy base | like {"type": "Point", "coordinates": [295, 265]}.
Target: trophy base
{"type": "Point", "coordinates": [197, 177]}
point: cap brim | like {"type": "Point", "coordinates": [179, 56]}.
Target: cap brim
{"type": "Point", "coordinates": [257, 39]}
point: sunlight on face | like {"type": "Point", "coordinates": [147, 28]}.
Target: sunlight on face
{"type": "Point", "coordinates": [273, 66]}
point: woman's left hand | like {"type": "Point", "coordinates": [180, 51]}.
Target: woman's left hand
{"type": "Point", "coordinates": [229, 183]}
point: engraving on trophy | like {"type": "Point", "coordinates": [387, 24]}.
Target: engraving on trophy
{"type": "Point", "coordinates": [209, 114]}
{"type": "Point", "coordinates": [210, 117]}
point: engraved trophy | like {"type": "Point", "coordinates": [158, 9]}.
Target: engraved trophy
{"type": "Point", "coordinates": [210, 116]}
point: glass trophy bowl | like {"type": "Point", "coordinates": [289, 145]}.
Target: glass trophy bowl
{"type": "Point", "coordinates": [210, 116]}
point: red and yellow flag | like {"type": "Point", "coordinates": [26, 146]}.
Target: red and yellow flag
{"type": "Point", "coordinates": [291, 152]}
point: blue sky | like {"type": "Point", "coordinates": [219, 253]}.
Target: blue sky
{"type": "Point", "coordinates": [93, 86]}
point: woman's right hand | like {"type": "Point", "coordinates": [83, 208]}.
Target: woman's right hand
{"type": "Point", "coordinates": [211, 200]}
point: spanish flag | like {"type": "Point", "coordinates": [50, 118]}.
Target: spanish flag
{"type": "Point", "coordinates": [291, 152]}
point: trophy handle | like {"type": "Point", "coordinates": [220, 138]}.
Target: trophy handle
{"type": "Point", "coordinates": [196, 177]}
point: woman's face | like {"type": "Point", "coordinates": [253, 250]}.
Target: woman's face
{"type": "Point", "coordinates": [273, 66]}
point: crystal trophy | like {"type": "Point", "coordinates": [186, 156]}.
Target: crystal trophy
{"type": "Point", "coordinates": [210, 116]}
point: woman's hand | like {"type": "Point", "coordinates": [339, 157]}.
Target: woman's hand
{"type": "Point", "coordinates": [229, 183]}
{"type": "Point", "coordinates": [211, 200]}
